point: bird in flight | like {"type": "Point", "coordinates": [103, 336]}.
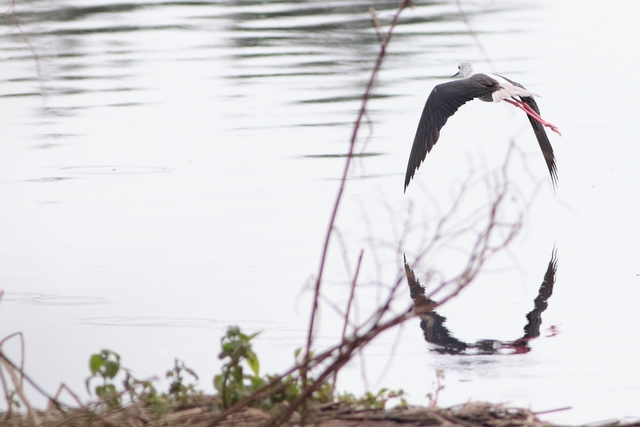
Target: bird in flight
{"type": "Point", "coordinates": [446, 98]}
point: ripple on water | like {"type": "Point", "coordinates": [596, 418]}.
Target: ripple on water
{"type": "Point", "coordinates": [116, 170]}
{"type": "Point", "coordinates": [154, 322]}
{"type": "Point", "coordinates": [51, 299]}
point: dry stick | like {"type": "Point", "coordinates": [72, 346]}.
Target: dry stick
{"type": "Point", "coordinates": [456, 420]}
{"type": "Point", "coordinates": [346, 352]}
{"type": "Point", "coordinates": [270, 388]}
{"type": "Point", "coordinates": [549, 411]}
{"type": "Point", "coordinates": [6, 391]}
{"type": "Point", "coordinates": [439, 231]}
{"type": "Point", "coordinates": [18, 334]}
{"type": "Point", "coordinates": [62, 387]}
{"type": "Point", "coordinates": [351, 295]}
{"type": "Point", "coordinates": [260, 393]}
{"type": "Point", "coordinates": [367, 94]}
{"type": "Point", "coordinates": [273, 387]}
{"type": "Point", "coordinates": [11, 369]}
{"type": "Point", "coordinates": [343, 181]}
{"type": "Point", "coordinates": [12, 365]}
{"type": "Point", "coordinates": [392, 354]}
{"type": "Point", "coordinates": [500, 195]}
{"type": "Point", "coordinates": [344, 356]}
{"type": "Point", "coordinates": [94, 418]}
{"type": "Point", "coordinates": [481, 249]}
{"type": "Point", "coordinates": [376, 24]}
{"type": "Point", "coordinates": [349, 304]}
{"type": "Point", "coordinates": [347, 348]}
{"type": "Point", "coordinates": [375, 317]}
{"type": "Point", "coordinates": [345, 253]}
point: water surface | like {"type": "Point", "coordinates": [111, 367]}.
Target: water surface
{"type": "Point", "coordinates": [168, 169]}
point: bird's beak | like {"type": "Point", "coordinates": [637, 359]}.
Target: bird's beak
{"type": "Point", "coordinates": [456, 74]}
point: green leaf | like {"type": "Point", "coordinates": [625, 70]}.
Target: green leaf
{"type": "Point", "coordinates": [108, 395]}
{"type": "Point", "coordinates": [95, 363]}
{"type": "Point", "coordinates": [256, 382]}
{"type": "Point", "coordinates": [217, 382]}
{"type": "Point", "coordinates": [253, 362]}
{"type": "Point", "coordinates": [237, 374]}
{"type": "Point", "coordinates": [112, 368]}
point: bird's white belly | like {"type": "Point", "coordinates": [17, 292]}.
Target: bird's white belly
{"type": "Point", "coordinates": [508, 89]}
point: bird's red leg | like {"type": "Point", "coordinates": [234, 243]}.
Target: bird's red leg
{"type": "Point", "coordinates": [524, 107]}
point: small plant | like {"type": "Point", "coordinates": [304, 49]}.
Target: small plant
{"type": "Point", "coordinates": [433, 397]}
{"type": "Point", "coordinates": [139, 389]}
{"type": "Point", "coordinates": [179, 392]}
{"type": "Point", "coordinates": [105, 365]}
{"type": "Point", "coordinates": [379, 400]}
{"type": "Point", "coordinates": [233, 384]}
{"type": "Point", "coordinates": [376, 401]}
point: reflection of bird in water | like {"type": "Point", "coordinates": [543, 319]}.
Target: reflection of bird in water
{"type": "Point", "coordinates": [532, 329]}
{"type": "Point", "coordinates": [432, 324]}
{"type": "Point", "coordinates": [446, 98]}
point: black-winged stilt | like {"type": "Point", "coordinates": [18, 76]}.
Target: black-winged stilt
{"type": "Point", "coordinates": [446, 98]}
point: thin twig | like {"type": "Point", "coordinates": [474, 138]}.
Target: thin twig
{"type": "Point", "coordinates": [346, 353]}
{"type": "Point", "coordinates": [8, 363]}
{"type": "Point", "coordinates": [349, 304]}
{"type": "Point", "coordinates": [22, 351]}
{"type": "Point", "coordinates": [549, 411]}
{"type": "Point", "coordinates": [62, 387]}
{"type": "Point", "coordinates": [343, 181]}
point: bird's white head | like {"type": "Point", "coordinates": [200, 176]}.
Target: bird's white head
{"type": "Point", "coordinates": [465, 70]}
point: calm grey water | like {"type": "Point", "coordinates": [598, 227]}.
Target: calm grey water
{"type": "Point", "coordinates": [178, 173]}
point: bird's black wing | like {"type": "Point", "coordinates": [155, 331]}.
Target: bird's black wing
{"type": "Point", "coordinates": [543, 140]}
{"type": "Point", "coordinates": [443, 102]}
{"type": "Point", "coordinates": [541, 136]}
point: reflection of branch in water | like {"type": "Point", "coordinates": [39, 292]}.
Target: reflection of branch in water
{"type": "Point", "coordinates": [435, 332]}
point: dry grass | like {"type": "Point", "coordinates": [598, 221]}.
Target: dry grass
{"type": "Point", "coordinates": [330, 415]}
